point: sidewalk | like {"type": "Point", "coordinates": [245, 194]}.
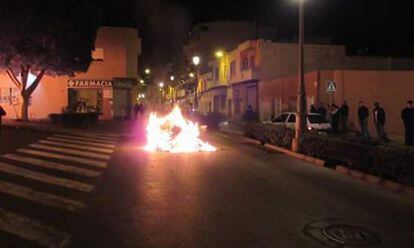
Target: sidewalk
{"type": "Point", "coordinates": [116, 128]}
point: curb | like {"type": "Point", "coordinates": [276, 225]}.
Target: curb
{"type": "Point", "coordinates": [51, 130]}
{"type": "Point", "coordinates": [300, 156]}
{"type": "Point", "coordinates": [371, 179]}
{"type": "Point", "coordinates": [375, 180]}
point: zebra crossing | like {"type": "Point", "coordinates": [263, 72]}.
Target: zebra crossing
{"type": "Point", "coordinates": [67, 162]}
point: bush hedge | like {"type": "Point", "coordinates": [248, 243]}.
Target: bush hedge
{"type": "Point", "coordinates": [395, 163]}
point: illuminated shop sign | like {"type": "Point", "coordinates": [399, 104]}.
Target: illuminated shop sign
{"type": "Point", "coordinates": [87, 83]}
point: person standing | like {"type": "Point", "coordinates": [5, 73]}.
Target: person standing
{"type": "Point", "coordinates": [344, 114]}
{"type": "Point", "coordinates": [2, 113]}
{"type": "Point", "coordinates": [137, 110]}
{"type": "Point", "coordinates": [313, 110]}
{"type": "Point", "coordinates": [334, 118]}
{"type": "Point", "coordinates": [363, 114]}
{"type": "Point", "coordinates": [379, 121]}
{"type": "Point", "coordinates": [322, 110]}
{"type": "Point", "coordinates": [407, 115]}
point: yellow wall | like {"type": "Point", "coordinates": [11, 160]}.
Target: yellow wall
{"type": "Point", "coordinates": [121, 47]}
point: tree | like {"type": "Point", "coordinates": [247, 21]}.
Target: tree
{"type": "Point", "coordinates": [45, 37]}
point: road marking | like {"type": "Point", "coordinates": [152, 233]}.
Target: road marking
{"type": "Point", "coordinates": [53, 165]}
{"type": "Point", "coordinates": [32, 230]}
{"type": "Point", "coordinates": [85, 161]}
{"type": "Point", "coordinates": [81, 142]}
{"type": "Point", "coordinates": [87, 148]}
{"type": "Point", "coordinates": [71, 151]}
{"type": "Point", "coordinates": [84, 139]}
{"type": "Point", "coordinates": [40, 197]}
{"type": "Point", "coordinates": [98, 137]}
{"type": "Point", "coordinates": [45, 178]}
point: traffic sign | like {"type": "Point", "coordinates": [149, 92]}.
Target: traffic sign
{"type": "Point", "coordinates": [330, 86]}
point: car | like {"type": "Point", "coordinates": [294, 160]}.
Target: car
{"type": "Point", "coordinates": [314, 121]}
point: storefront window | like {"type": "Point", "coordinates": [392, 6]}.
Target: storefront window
{"type": "Point", "coordinates": [85, 101]}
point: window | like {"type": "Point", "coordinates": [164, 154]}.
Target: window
{"type": "Point", "coordinates": [215, 74]}
{"type": "Point", "coordinates": [292, 118]}
{"type": "Point", "coordinates": [281, 118]}
{"type": "Point", "coordinates": [252, 63]}
{"type": "Point", "coordinates": [98, 54]}
{"type": "Point", "coordinates": [316, 119]}
{"type": "Point", "coordinates": [233, 69]}
{"type": "Point", "coordinates": [244, 64]}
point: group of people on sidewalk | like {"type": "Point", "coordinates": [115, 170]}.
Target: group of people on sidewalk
{"type": "Point", "coordinates": [338, 117]}
{"type": "Point", "coordinates": [139, 110]}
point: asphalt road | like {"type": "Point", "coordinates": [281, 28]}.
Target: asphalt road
{"type": "Point", "coordinates": [242, 196]}
{"type": "Point", "coordinates": [239, 196]}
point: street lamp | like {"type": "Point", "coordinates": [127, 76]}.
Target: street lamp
{"type": "Point", "coordinates": [196, 62]}
{"type": "Point", "coordinates": [172, 78]}
{"type": "Point", "coordinates": [301, 98]}
{"type": "Point", "coordinates": [161, 85]}
{"type": "Point", "coordinates": [142, 81]}
{"type": "Point", "coordinates": [191, 75]}
{"type": "Point", "coordinates": [219, 54]}
{"type": "Point", "coordinates": [147, 71]}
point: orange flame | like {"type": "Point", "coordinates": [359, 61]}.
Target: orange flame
{"type": "Point", "coordinates": [173, 133]}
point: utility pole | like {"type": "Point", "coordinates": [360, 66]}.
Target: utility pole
{"type": "Point", "coordinates": [300, 126]}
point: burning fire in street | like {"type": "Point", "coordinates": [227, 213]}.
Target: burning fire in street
{"type": "Point", "coordinates": [173, 133]}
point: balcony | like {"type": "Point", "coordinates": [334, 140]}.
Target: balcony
{"type": "Point", "coordinates": [244, 75]}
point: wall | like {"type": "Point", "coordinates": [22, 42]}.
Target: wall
{"type": "Point", "coordinates": [120, 49]}
{"type": "Point", "coordinates": [279, 95]}
{"type": "Point", "coordinates": [390, 88]}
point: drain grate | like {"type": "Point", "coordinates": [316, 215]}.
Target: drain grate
{"type": "Point", "coordinates": [340, 233]}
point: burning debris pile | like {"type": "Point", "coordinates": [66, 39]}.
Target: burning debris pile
{"type": "Point", "coordinates": [173, 133]}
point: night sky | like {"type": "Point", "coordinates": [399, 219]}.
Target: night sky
{"type": "Point", "coordinates": [372, 27]}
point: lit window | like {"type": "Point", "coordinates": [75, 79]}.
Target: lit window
{"type": "Point", "coordinates": [98, 54]}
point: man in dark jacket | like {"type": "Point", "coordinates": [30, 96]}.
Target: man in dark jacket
{"type": "Point", "coordinates": [313, 110]}
{"type": "Point", "coordinates": [2, 113]}
{"type": "Point", "coordinates": [379, 121]}
{"type": "Point", "coordinates": [407, 115]}
{"type": "Point", "coordinates": [322, 110]}
{"type": "Point", "coordinates": [363, 114]}
{"type": "Point", "coordinates": [344, 112]}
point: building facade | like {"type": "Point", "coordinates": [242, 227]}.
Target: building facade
{"type": "Point", "coordinates": [108, 87]}
{"type": "Point", "coordinates": [263, 74]}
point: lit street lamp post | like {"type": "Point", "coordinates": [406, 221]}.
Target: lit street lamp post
{"type": "Point", "coordinates": [196, 62]}
{"type": "Point", "coordinates": [161, 86]}
{"type": "Point", "coordinates": [172, 87]}
{"type": "Point", "coordinates": [301, 97]}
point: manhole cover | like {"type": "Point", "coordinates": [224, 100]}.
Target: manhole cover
{"type": "Point", "coordinates": [350, 235]}
{"type": "Point", "coordinates": [340, 233]}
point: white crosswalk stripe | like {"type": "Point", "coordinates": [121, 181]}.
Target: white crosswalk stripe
{"type": "Point", "coordinates": [78, 142]}
{"type": "Point", "coordinates": [81, 147]}
{"type": "Point", "coordinates": [71, 151]}
{"type": "Point", "coordinates": [85, 161]}
{"type": "Point", "coordinates": [45, 178]}
{"type": "Point", "coordinates": [32, 230]}
{"type": "Point", "coordinates": [68, 150]}
{"type": "Point", "coordinates": [85, 139]}
{"type": "Point", "coordinates": [52, 165]}
{"type": "Point", "coordinates": [40, 197]}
